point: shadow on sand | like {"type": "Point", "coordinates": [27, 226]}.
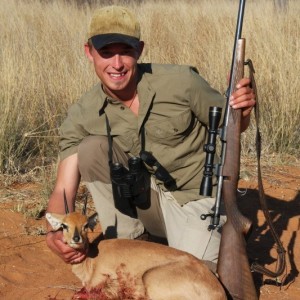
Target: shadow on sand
{"type": "Point", "coordinates": [260, 241]}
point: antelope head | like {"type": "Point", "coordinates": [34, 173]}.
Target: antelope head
{"type": "Point", "coordinates": [74, 225]}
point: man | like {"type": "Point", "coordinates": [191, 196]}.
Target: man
{"type": "Point", "coordinates": [140, 109]}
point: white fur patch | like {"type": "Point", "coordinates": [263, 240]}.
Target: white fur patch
{"type": "Point", "coordinates": [54, 221]}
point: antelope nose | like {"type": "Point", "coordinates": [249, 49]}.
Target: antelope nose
{"type": "Point", "coordinates": [76, 238]}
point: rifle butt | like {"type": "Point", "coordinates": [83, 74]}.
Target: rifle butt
{"type": "Point", "coordinates": [233, 266]}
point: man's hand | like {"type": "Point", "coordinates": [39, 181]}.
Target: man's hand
{"type": "Point", "coordinates": [68, 178]}
{"type": "Point", "coordinates": [243, 98]}
{"type": "Point", "coordinates": [69, 255]}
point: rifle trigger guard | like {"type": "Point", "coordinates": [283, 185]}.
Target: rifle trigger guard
{"type": "Point", "coordinates": [203, 217]}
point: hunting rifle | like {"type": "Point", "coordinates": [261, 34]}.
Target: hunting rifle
{"type": "Point", "coordinates": [233, 265]}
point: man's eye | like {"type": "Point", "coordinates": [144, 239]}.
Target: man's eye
{"type": "Point", "coordinates": [108, 54]}
{"type": "Point", "coordinates": [105, 53]}
{"type": "Point", "coordinates": [129, 52]}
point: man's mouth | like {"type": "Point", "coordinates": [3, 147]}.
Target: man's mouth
{"type": "Point", "coordinates": [117, 75]}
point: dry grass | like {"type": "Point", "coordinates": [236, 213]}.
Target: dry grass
{"type": "Point", "coordinates": [44, 70]}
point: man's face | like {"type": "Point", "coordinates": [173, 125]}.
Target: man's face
{"type": "Point", "coordinates": [116, 67]}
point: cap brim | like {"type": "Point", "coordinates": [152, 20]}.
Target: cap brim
{"type": "Point", "coordinates": [102, 40]}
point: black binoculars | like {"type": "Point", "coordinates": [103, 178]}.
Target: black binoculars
{"type": "Point", "coordinates": [131, 187]}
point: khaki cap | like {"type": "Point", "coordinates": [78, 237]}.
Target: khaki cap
{"type": "Point", "coordinates": [114, 24]}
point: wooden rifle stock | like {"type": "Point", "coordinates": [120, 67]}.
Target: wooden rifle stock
{"type": "Point", "coordinates": [233, 266]}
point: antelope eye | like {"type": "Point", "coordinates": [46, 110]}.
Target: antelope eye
{"type": "Point", "coordinates": [64, 226]}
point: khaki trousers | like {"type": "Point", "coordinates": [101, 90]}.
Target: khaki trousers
{"type": "Point", "coordinates": [165, 218]}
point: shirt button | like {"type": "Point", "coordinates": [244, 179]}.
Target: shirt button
{"type": "Point", "coordinates": [122, 107]}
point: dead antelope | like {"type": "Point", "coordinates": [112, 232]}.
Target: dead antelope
{"type": "Point", "coordinates": [133, 269]}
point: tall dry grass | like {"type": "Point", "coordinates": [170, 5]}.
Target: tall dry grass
{"type": "Point", "coordinates": [44, 70]}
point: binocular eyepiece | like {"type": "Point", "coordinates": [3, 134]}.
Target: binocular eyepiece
{"type": "Point", "coordinates": [131, 187]}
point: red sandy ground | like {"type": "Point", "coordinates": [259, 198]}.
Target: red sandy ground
{"type": "Point", "coordinates": [29, 271]}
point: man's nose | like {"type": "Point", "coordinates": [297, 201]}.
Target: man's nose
{"type": "Point", "coordinates": [117, 62]}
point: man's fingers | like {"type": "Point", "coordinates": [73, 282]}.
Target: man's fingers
{"type": "Point", "coordinates": [242, 91]}
{"type": "Point", "coordinates": [242, 101]}
{"type": "Point", "coordinates": [243, 82]}
{"type": "Point", "coordinates": [78, 258]}
{"type": "Point", "coordinates": [63, 250]}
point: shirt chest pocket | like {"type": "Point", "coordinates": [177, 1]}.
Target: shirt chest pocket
{"type": "Point", "coordinates": [170, 131]}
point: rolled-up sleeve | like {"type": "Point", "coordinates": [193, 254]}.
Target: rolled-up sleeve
{"type": "Point", "coordinates": [203, 95]}
{"type": "Point", "coordinates": [72, 132]}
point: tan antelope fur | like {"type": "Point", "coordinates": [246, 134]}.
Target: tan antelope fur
{"type": "Point", "coordinates": [134, 269]}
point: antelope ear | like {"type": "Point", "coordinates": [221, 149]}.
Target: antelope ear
{"type": "Point", "coordinates": [55, 220]}
{"type": "Point", "coordinates": [92, 221]}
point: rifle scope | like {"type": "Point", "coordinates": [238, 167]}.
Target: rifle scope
{"type": "Point", "coordinates": [210, 149]}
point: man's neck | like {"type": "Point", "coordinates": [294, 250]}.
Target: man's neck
{"type": "Point", "coordinates": [123, 96]}
{"type": "Point", "coordinates": [130, 99]}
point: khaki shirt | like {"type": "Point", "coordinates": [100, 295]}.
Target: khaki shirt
{"type": "Point", "coordinates": [174, 105]}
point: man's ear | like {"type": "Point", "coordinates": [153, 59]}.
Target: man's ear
{"type": "Point", "coordinates": [140, 49]}
{"type": "Point", "coordinates": [87, 50]}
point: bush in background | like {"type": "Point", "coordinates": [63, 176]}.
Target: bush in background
{"type": "Point", "coordinates": [44, 70]}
